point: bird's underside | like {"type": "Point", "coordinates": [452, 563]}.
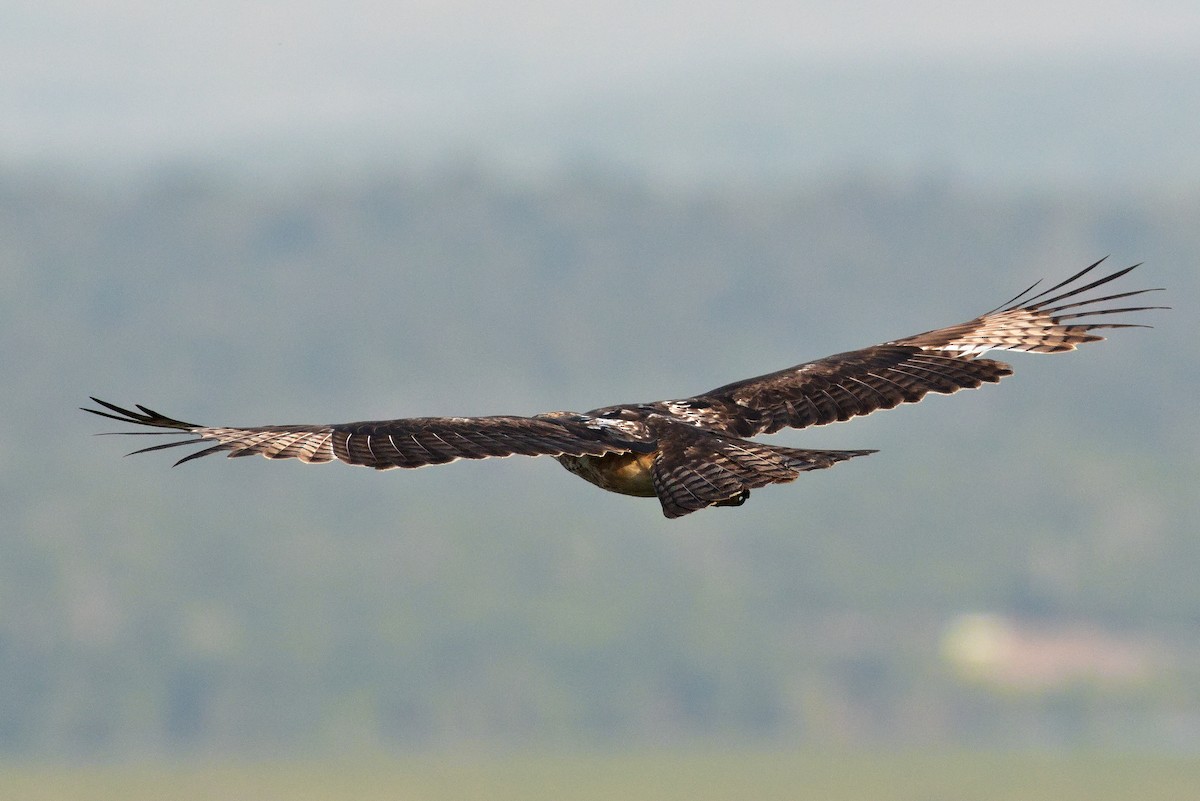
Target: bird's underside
{"type": "Point", "coordinates": [693, 452]}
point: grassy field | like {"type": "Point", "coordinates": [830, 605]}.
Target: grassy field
{"type": "Point", "coordinates": [666, 776]}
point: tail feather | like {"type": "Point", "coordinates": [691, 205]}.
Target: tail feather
{"type": "Point", "coordinates": [695, 469]}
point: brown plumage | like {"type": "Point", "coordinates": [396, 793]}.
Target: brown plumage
{"type": "Point", "coordinates": [693, 453]}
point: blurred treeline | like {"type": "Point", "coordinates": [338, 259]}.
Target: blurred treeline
{"type": "Point", "coordinates": [252, 606]}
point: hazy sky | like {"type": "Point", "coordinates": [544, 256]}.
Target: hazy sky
{"type": "Point", "coordinates": [130, 79]}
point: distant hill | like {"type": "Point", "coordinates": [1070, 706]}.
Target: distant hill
{"type": "Point", "coordinates": [239, 605]}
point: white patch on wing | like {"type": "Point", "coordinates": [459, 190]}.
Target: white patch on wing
{"type": "Point", "coordinates": [605, 422]}
{"type": "Point", "coordinates": [680, 408]}
{"type": "Point", "coordinates": [631, 427]}
{"type": "Point", "coordinates": [686, 411]}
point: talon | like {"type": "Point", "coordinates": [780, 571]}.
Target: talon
{"type": "Point", "coordinates": [736, 500]}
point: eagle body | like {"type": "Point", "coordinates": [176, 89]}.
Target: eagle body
{"type": "Point", "coordinates": [623, 473]}
{"type": "Point", "coordinates": [696, 452]}
{"type": "Point", "coordinates": [632, 473]}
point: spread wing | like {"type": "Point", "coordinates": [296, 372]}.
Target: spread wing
{"type": "Point", "coordinates": [384, 444]}
{"type": "Point", "coordinates": [903, 371]}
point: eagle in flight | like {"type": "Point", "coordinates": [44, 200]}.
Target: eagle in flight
{"type": "Point", "coordinates": [695, 452]}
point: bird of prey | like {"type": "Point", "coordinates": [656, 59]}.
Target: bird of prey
{"type": "Point", "coordinates": [696, 452]}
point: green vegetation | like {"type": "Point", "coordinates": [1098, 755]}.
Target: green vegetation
{"type": "Point", "coordinates": [248, 607]}
{"type": "Point", "coordinates": [656, 776]}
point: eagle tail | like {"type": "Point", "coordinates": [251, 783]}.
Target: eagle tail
{"type": "Point", "coordinates": [721, 471]}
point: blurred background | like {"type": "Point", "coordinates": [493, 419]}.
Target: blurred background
{"type": "Point", "coordinates": [244, 213]}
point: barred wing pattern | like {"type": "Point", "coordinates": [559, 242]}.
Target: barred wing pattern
{"type": "Point", "coordinates": [695, 469]}
{"type": "Point", "coordinates": [384, 444]}
{"type": "Point", "coordinates": [943, 361]}
{"type": "Point", "coordinates": [694, 453]}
